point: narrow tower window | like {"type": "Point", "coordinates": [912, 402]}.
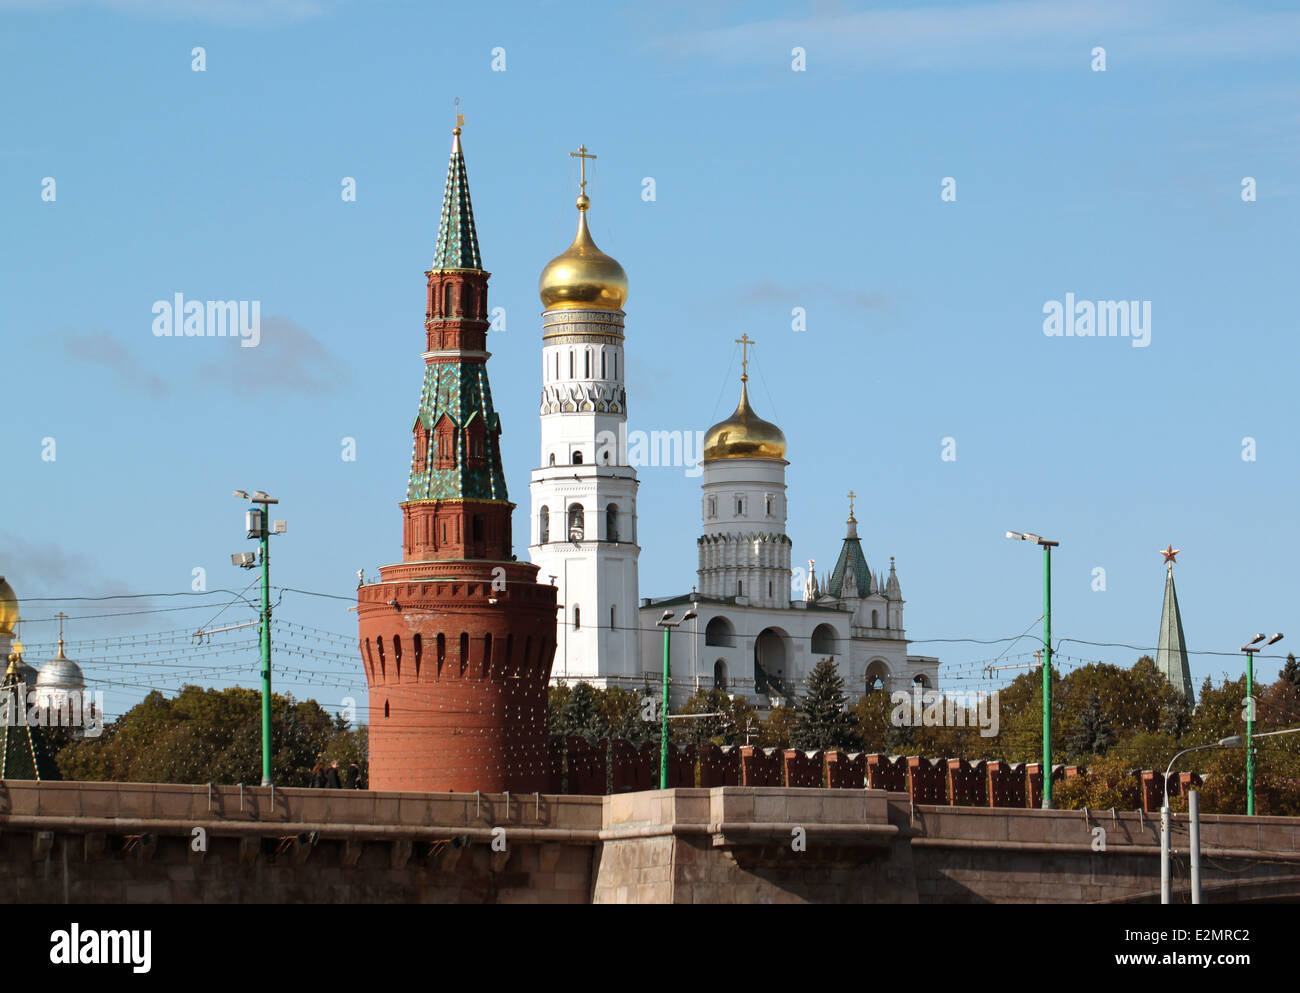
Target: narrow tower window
{"type": "Point", "coordinates": [543, 525]}
{"type": "Point", "coordinates": [602, 363]}
{"type": "Point", "coordinates": [577, 618]}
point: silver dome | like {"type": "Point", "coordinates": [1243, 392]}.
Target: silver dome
{"type": "Point", "coordinates": [60, 674]}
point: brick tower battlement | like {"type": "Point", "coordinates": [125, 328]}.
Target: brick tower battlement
{"type": "Point", "coordinates": [458, 638]}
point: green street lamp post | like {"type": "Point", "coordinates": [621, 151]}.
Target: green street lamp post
{"type": "Point", "coordinates": [1047, 657]}
{"type": "Point", "coordinates": [667, 623]}
{"type": "Point", "coordinates": [260, 529]}
{"type": "Point", "coordinates": [1249, 702]}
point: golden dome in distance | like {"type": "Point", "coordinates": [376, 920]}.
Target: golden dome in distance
{"type": "Point", "coordinates": [583, 277]}
{"type": "Point", "coordinates": [8, 608]}
{"type": "Point", "coordinates": [744, 435]}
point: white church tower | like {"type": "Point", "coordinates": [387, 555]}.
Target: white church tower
{"type": "Point", "coordinates": [744, 550]}
{"type": "Point", "coordinates": [584, 495]}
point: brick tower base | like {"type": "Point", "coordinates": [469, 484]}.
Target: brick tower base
{"type": "Point", "coordinates": [458, 656]}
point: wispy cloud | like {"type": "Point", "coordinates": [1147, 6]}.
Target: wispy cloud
{"type": "Point", "coordinates": [108, 352]}
{"type": "Point", "coordinates": [767, 292]}
{"type": "Point", "coordinates": [288, 359]}
{"type": "Point", "coordinates": [1005, 33]}
{"type": "Point", "coordinates": [212, 11]}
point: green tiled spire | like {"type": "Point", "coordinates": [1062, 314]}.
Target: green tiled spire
{"type": "Point", "coordinates": [457, 240]}
{"type": "Point", "coordinates": [1171, 651]}
{"type": "Point", "coordinates": [460, 393]}
{"type": "Point", "coordinates": [851, 557]}
{"type": "Point", "coordinates": [24, 752]}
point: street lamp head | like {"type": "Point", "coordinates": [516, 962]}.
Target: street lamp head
{"type": "Point", "coordinates": [1231, 742]}
{"type": "Point", "coordinates": [242, 494]}
{"type": "Point", "coordinates": [692, 613]}
{"type": "Point", "coordinates": [1275, 639]}
{"type": "Point", "coordinates": [1037, 539]}
{"type": "Point", "coordinates": [668, 614]}
{"type": "Point", "coordinates": [1250, 645]}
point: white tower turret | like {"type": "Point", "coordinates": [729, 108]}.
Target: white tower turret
{"type": "Point", "coordinates": [584, 495]}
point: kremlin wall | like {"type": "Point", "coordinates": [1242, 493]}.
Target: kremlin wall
{"type": "Point", "coordinates": [113, 843]}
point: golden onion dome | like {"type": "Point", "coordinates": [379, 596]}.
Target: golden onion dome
{"type": "Point", "coordinates": [8, 608]}
{"type": "Point", "coordinates": [744, 435]}
{"type": "Point", "coordinates": [583, 277]}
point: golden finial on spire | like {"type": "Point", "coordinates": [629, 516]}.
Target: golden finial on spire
{"type": "Point", "coordinates": [853, 496]}
{"type": "Point", "coordinates": [744, 435]}
{"type": "Point", "coordinates": [582, 156]}
{"type": "Point", "coordinates": [583, 277]}
{"type": "Point", "coordinates": [62, 617]}
{"type": "Point", "coordinates": [460, 119]}
{"type": "Point", "coordinates": [744, 341]}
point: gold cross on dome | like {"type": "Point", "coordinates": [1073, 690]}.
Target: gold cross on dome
{"type": "Point", "coordinates": [852, 495]}
{"type": "Point", "coordinates": [744, 341]}
{"type": "Point", "coordinates": [582, 157]}
{"type": "Point", "coordinates": [62, 617]}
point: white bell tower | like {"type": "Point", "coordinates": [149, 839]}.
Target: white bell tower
{"type": "Point", "coordinates": [583, 527]}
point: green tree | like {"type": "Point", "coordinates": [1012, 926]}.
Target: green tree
{"type": "Point", "coordinates": [822, 721]}
{"type": "Point", "coordinates": [575, 712]}
{"type": "Point", "coordinates": [1291, 671]}
{"type": "Point", "coordinates": [729, 729]}
{"type": "Point", "coordinates": [207, 735]}
{"type": "Point", "coordinates": [1093, 733]}
{"type": "Point", "coordinates": [625, 714]}
{"type": "Point", "coordinates": [778, 730]}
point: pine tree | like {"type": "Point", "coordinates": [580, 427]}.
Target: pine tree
{"type": "Point", "coordinates": [822, 721]}
{"type": "Point", "coordinates": [1093, 733]}
{"type": "Point", "coordinates": [1175, 714]}
{"type": "Point", "coordinates": [579, 715]}
{"type": "Point", "coordinates": [1291, 671]}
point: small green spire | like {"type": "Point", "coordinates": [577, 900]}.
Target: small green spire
{"type": "Point", "coordinates": [1171, 650]}
{"type": "Point", "coordinates": [457, 246]}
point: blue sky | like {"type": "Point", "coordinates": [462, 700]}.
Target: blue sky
{"type": "Point", "coordinates": [775, 189]}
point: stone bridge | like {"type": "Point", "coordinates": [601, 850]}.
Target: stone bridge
{"type": "Point", "coordinates": [136, 843]}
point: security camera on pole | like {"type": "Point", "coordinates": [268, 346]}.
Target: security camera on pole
{"type": "Point", "coordinates": [256, 522]}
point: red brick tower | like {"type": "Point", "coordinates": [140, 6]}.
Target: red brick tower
{"type": "Point", "coordinates": [457, 639]}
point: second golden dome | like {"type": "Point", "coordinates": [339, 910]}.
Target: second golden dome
{"type": "Point", "coordinates": [744, 435]}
